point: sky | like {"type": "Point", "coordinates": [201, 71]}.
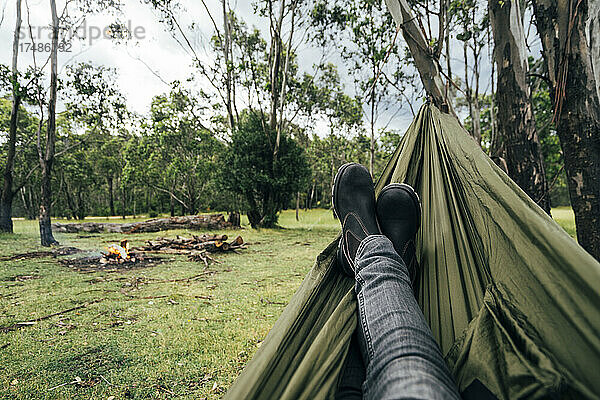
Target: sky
{"type": "Point", "coordinates": [152, 59]}
{"type": "Point", "coordinates": [153, 49]}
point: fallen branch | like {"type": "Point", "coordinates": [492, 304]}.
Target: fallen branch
{"type": "Point", "coordinates": [19, 325]}
{"type": "Point", "coordinates": [132, 298]}
{"type": "Point", "coordinates": [61, 251]}
{"type": "Point", "coordinates": [267, 301]}
{"type": "Point", "coordinates": [191, 278]}
{"type": "Point", "coordinates": [105, 380]}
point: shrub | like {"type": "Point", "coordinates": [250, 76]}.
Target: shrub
{"type": "Point", "coordinates": [266, 185]}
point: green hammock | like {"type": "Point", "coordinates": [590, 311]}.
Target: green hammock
{"type": "Point", "coordinates": [512, 300]}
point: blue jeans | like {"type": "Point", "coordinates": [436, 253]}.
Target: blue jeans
{"type": "Point", "coordinates": [402, 359]}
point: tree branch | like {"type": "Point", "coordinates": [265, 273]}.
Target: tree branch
{"type": "Point", "coordinates": [171, 194]}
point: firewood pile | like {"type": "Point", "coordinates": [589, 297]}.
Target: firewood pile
{"type": "Point", "coordinates": [197, 248]}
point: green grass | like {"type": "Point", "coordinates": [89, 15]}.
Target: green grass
{"type": "Point", "coordinates": [565, 218]}
{"type": "Point", "coordinates": [191, 344]}
{"type": "Point", "coordinates": [182, 345]}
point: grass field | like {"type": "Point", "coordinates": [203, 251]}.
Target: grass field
{"type": "Point", "coordinates": [131, 343]}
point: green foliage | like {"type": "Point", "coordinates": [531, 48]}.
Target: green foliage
{"type": "Point", "coordinates": [249, 168]}
{"type": "Point", "coordinates": [366, 43]}
{"type": "Point", "coordinates": [92, 97]}
{"type": "Point", "coordinates": [472, 20]}
{"type": "Point", "coordinates": [27, 123]}
{"type": "Point", "coordinates": [326, 154]}
{"type": "Point", "coordinates": [176, 155]}
{"type": "Point", "coordinates": [90, 137]}
{"type": "Point", "coordinates": [546, 130]}
{"type": "Point", "coordinates": [26, 157]}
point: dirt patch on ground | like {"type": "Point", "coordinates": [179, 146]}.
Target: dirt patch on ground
{"type": "Point", "coordinates": [93, 264]}
{"type": "Point", "coordinates": [61, 251]}
{"type": "Point", "coordinates": [83, 264]}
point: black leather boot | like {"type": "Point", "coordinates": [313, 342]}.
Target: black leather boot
{"type": "Point", "coordinates": [399, 216]}
{"type": "Point", "coordinates": [354, 204]}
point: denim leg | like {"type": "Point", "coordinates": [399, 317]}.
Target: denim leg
{"type": "Point", "coordinates": [403, 360]}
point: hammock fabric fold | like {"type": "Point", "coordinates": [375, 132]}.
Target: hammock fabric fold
{"type": "Point", "coordinates": [511, 298]}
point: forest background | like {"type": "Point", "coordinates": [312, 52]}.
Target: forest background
{"type": "Point", "coordinates": [275, 96]}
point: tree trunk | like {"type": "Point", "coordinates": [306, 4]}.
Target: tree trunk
{"type": "Point", "coordinates": [226, 47]}
{"type": "Point", "coordinates": [332, 175]}
{"type": "Point", "coordinates": [561, 26]}
{"type": "Point", "coordinates": [421, 52]}
{"type": "Point", "coordinates": [496, 151]}
{"type": "Point", "coordinates": [172, 205]}
{"type": "Point", "coordinates": [448, 92]}
{"type": "Point", "coordinates": [195, 222]}
{"type": "Point", "coordinates": [111, 200]}
{"type": "Point", "coordinates": [593, 34]}
{"type": "Point", "coordinates": [123, 202]}
{"type": "Point", "coordinates": [254, 216]}
{"type": "Point", "coordinates": [298, 206]}
{"type": "Point", "coordinates": [46, 161]}
{"type": "Point", "coordinates": [192, 203]}
{"type": "Point", "coordinates": [80, 205]}
{"type": "Point", "coordinates": [70, 201]}
{"type": "Point", "coordinates": [476, 108]}
{"type": "Point", "coordinates": [6, 216]}
{"type": "Point", "coordinates": [234, 219]}
{"type": "Point", "coordinates": [312, 194]}
{"type": "Point", "coordinates": [275, 67]}
{"type": "Point", "coordinates": [468, 94]}
{"type": "Point", "coordinates": [284, 83]}
{"type": "Point", "coordinates": [8, 194]}
{"type": "Point", "coordinates": [147, 201]}
{"type": "Point", "coordinates": [46, 237]}
{"type": "Point", "coordinates": [26, 197]}
{"type": "Point", "coordinates": [372, 143]}
{"type": "Point", "coordinates": [24, 201]}
{"type": "Point", "coordinates": [476, 119]}
{"type": "Point", "coordinates": [516, 124]}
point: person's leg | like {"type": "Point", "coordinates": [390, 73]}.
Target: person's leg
{"type": "Point", "coordinates": [353, 374]}
{"type": "Point", "coordinates": [403, 360]}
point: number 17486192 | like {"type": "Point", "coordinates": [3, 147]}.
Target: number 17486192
{"type": "Point", "coordinates": [44, 47]}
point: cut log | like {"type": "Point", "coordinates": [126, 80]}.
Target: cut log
{"type": "Point", "coordinates": [193, 222]}
{"type": "Point", "coordinates": [237, 241]}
